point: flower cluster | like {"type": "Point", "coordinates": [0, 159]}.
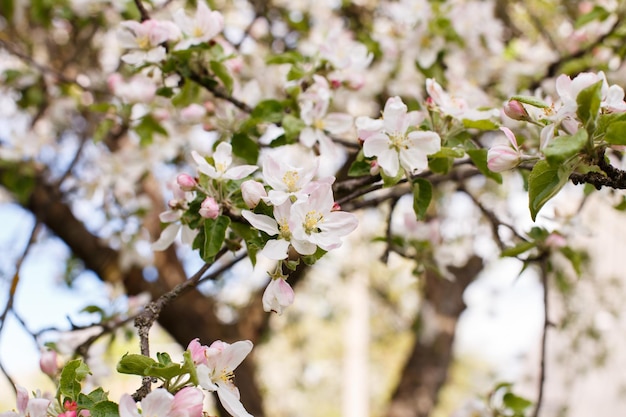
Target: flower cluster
{"type": "Point", "coordinates": [299, 213]}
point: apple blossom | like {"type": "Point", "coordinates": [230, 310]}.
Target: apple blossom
{"type": "Point", "coordinates": [393, 144]}
{"type": "Point", "coordinates": [223, 159]}
{"type": "Point", "coordinates": [138, 89]}
{"type": "Point", "coordinates": [287, 181]}
{"type": "Point", "coordinates": [49, 363]}
{"type": "Point", "coordinates": [193, 113]}
{"type": "Point", "coordinates": [202, 27]}
{"type": "Point", "coordinates": [217, 375]}
{"type": "Point", "coordinates": [209, 209]}
{"type": "Point", "coordinates": [161, 403]}
{"type": "Point", "coordinates": [186, 182]}
{"type": "Point", "coordinates": [312, 220]}
{"type": "Point", "coordinates": [252, 191]}
{"type": "Point", "coordinates": [276, 249]}
{"type": "Point", "coordinates": [28, 407]}
{"type": "Point", "coordinates": [277, 296]}
{"type": "Point", "coordinates": [516, 110]}
{"type": "Point", "coordinates": [314, 104]}
{"type": "Point", "coordinates": [145, 39]}
{"type": "Point", "coordinates": [504, 157]}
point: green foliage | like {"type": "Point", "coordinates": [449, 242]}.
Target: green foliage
{"type": "Point", "coordinates": [245, 148]}
{"type": "Point", "coordinates": [422, 195]}
{"type": "Point", "coordinates": [479, 158]}
{"type": "Point", "coordinates": [146, 129]}
{"type": "Point", "coordinates": [221, 72]}
{"type": "Point", "coordinates": [598, 13]}
{"type": "Point", "coordinates": [19, 179]}
{"type": "Point", "coordinates": [616, 133]}
{"type": "Point", "coordinates": [214, 235]}
{"type": "Point", "coordinates": [544, 182]}
{"type": "Point", "coordinates": [484, 124]}
{"type": "Point", "coordinates": [588, 101]}
{"type": "Point", "coordinates": [518, 249]}
{"type": "Point", "coordinates": [72, 375]}
{"type": "Point", "coordinates": [563, 148]}
{"type": "Point", "coordinates": [532, 101]}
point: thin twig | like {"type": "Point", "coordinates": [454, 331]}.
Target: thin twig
{"type": "Point", "coordinates": [392, 205]}
{"type": "Point", "coordinates": [14, 283]}
{"type": "Point", "coordinates": [145, 319]}
{"type": "Point", "coordinates": [142, 10]}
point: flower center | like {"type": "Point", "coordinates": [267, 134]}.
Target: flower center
{"type": "Point", "coordinates": [398, 141]}
{"type": "Point", "coordinates": [220, 167]}
{"type": "Point", "coordinates": [143, 42]}
{"type": "Point", "coordinates": [227, 376]}
{"type": "Point", "coordinates": [283, 229]}
{"type": "Point", "coordinates": [311, 221]}
{"type": "Point", "coordinates": [197, 32]}
{"type": "Point", "coordinates": [319, 124]}
{"type": "Point", "coordinates": [290, 179]}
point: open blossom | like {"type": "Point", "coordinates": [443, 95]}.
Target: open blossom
{"type": "Point", "coordinates": [160, 403]}
{"type": "Point", "coordinates": [391, 142]}
{"type": "Point", "coordinates": [456, 107]}
{"type": "Point", "coordinates": [504, 157]}
{"type": "Point", "coordinates": [145, 40]}
{"type": "Point", "coordinates": [313, 220]}
{"type": "Point", "coordinates": [223, 159]}
{"type": "Point", "coordinates": [28, 407]}
{"type": "Point", "coordinates": [278, 226]}
{"type": "Point", "coordinates": [287, 181]}
{"type": "Point", "coordinates": [314, 104]}
{"type": "Point", "coordinates": [278, 295]}
{"type": "Point", "coordinates": [202, 27]}
{"type": "Point", "coordinates": [178, 205]}
{"type": "Point", "coordinates": [217, 373]}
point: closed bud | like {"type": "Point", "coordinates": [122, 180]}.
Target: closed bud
{"type": "Point", "coordinates": [252, 191]}
{"type": "Point", "coordinates": [209, 209]}
{"type": "Point", "coordinates": [502, 157]}
{"type": "Point", "coordinates": [516, 110]}
{"type": "Point", "coordinates": [48, 362]}
{"type": "Point", "coordinates": [186, 182]}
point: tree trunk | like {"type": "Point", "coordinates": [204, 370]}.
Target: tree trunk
{"type": "Point", "coordinates": [426, 369]}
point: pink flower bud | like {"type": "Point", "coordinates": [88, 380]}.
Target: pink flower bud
{"type": "Point", "coordinates": [555, 240]}
{"type": "Point", "coordinates": [374, 168]}
{"type": "Point", "coordinates": [48, 363]}
{"type": "Point", "coordinates": [252, 191]}
{"type": "Point", "coordinates": [186, 182]}
{"type": "Point", "coordinates": [277, 296]}
{"type": "Point", "coordinates": [516, 110]}
{"type": "Point", "coordinates": [198, 352]}
{"type": "Point", "coordinates": [502, 157]}
{"type": "Point", "coordinates": [187, 402]}
{"type": "Point", "coordinates": [209, 209]}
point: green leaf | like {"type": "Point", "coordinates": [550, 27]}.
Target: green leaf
{"type": "Point", "coordinates": [293, 126]}
{"type": "Point", "coordinates": [268, 111]}
{"type": "Point", "coordinates": [105, 409]}
{"type": "Point", "coordinates": [215, 233]}
{"type": "Point", "coordinates": [446, 152]}
{"type": "Point", "coordinates": [188, 94]}
{"type": "Point", "coordinates": [440, 165]}
{"type": "Point", "coordinates": [598, 13]}
{"type": "Point", "coordinates": [515, 403]}
{"type": "Point", "coordinates": [518, 249]}
{"type": "Point", "coordinates": [589, 100]}
{"type": "Point", "coordinates": [479, 158]}
{"type": "Point", "coordinates": [562, 148]}
{"type": "Point", "coordinates": [484, 124]}
{"type": "Point", "coordinates": [311, 259]}
{"type": "Point", "coordinates": [165, 372]}
{"type": "Point", "coordinates": [289, 57]}
{"type": "Point", "coordinates": [616, 133]}
{"type": "Point", "coordinates": [222, 73]}
{"type": "Point", "coordinates": [245, 148]}
{"type": "Point", "coordinates": [73, 373]}
{"type": "Point", "coordinates": [146, 129]}
{"type": "Point", "coordinates": [530, 100]}
{"type": "Point", "coordinates": [103, 129]}
{"type": "Point", "coordinates": [422, 195]}
{"type": "Point", "coordinates": [544, 182]}
{"type": "Point", "coordinates": [135, 364]}
{"type": "Point", "coordinates": [164, 358]}
{"type": "Point", "coordinates": [7, 7]}
{"type": "Point", "coordinates": [359, 168]}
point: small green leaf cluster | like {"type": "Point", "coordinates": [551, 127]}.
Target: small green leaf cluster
{"type": "Point", "coordinates": [172, 376]}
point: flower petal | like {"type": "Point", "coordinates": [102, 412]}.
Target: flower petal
{"type": "Point", "coordinates": [261, 222]}
{"type": "Point", "coordinates": [231, 403]}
